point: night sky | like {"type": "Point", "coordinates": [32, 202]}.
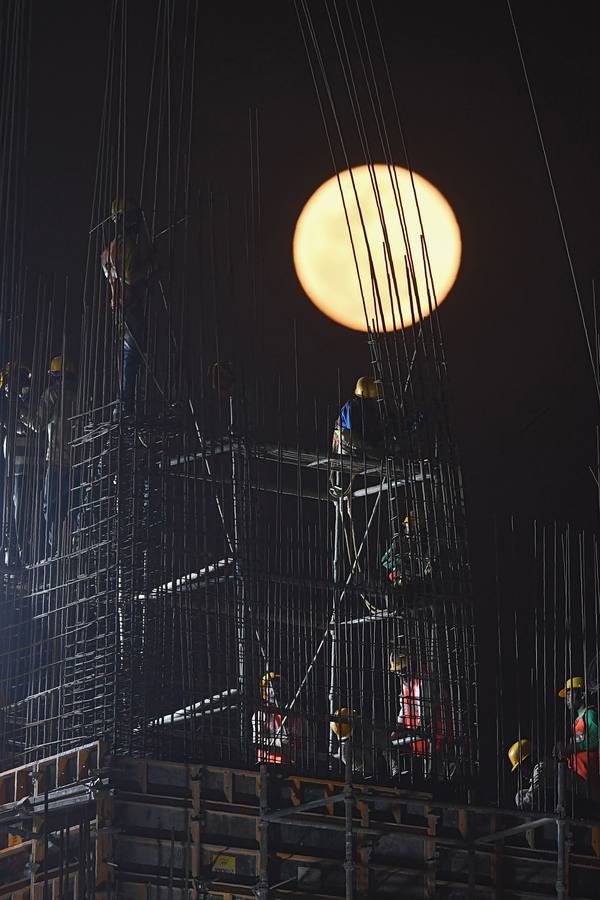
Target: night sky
{"type": "Point", "coordinates": [524, 403]}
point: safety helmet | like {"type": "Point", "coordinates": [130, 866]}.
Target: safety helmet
{"type": "Point", "coordinates": [398, 659]}
{"type": "Point", "coordinates": [519, 752]}
{"type": "Point", "coordinates": [342, 730]}
{"type": "Point", "coordinates": [411, 521]}
{"type": "Point", "coordinates": [266, 683]}
{"type": "Point", "coordinates": [368, 388]}
{"type": "Point", "coordinates": [58, 365]}
{"type": "Point", "coordinates": [573, 684]}
{"type": "Point", "coordinates": [126, 214]}
{"type": "Point", "coordinates": [122, 205]}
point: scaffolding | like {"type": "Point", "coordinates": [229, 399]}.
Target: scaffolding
{"type": "Point", "coordinates": [140, 635]}
{"type": "Point", "coordinates": [87, 824]}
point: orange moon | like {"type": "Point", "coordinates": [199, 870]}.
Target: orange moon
{"type": "Point", "coordinates": [351, 212]}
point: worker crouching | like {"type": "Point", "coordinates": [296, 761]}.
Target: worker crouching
{"type": "Point", "coordinates": [359, 743]}
{"type": "Point", "coordinates": [536, 781]}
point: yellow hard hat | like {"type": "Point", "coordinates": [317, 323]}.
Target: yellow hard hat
{"type": "Point", "coordinates": [412, 519]}
{"type": "Point", "coordinates": [58, 365]}
{"type": "Point", "coordinates": [342, 729]}
{"type": "Point", "coordinates": [266, 680]}
{"type": "Point", "coordinates": [398, 660]}
{"type": "Point", "coordinates": [572, 684]}
{"type": "Point", "coordinates": [368, 388]}
{"type": "Point", "coordinates": [519, 752]}
{"type": "Point", "coordinates": [122, 205]}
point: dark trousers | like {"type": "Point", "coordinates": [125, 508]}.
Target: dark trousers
{"type": "Point", "coordinates": [14, 534]}
{"type": "Point", "coordinates": [131, 365]}
{"type": "Point", "coordinates": [55, 500]}
{"type": "Point", "coordinates": [133, 337]}
{"type": "Point", "coordinates": [23, 534]}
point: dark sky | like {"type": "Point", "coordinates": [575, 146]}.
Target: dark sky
{"type": "Point", "coordinates": [522, 388]}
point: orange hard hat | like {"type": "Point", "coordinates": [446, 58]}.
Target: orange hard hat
{"type": "Point", "coordinates": [343, 730]}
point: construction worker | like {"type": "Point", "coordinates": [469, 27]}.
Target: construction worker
{"type": "Point", "coordinates": [358, 428]}
{"type": "Point", "coordinates": [581, 752]}
{"type": "Point", "coordinates": [422, 730]}
{"type": "Point", "coordinates": [271, 728]}
{"type": "Point", "coordinates": [56, 407]}
{"type": "Point", "coordinates": [536, 781]}
{"type": "Point", "coordinates": [19, 450]}
{"type": "Point", "coordinates": [127, 263]}
{"type": "Point", "coordinates": [362, 739]}
{"type": "Point", "coordinates": [404, 559]}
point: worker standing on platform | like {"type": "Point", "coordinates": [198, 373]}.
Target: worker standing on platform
{"type": "Point", "coordinates": [581, 752]}
{"type": "Point", "coordinates": [127, 263]}
{"type": "Point", "coordinates": [358, 428]}
{"type": "Point", "coordinates": [358, 432]}
{"type": "Point", "coordinates": [55, 409]}
{"type": "Point", "coordinates": [270, 733]}
{"type": "Point", "coordinates": [421, 735]}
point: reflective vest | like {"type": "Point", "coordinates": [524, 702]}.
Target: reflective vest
{"type": "Point", "coordinates": [417, 713]}
{"type": "Point", "coordinates": [410, 713]}
{"type": "Point", "coordinates": [270, 737]}
{"type": "Point", "coordinates": [585, 761]}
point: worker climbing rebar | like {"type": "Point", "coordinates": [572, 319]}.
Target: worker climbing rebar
{"type": "Point", "coordinates": [128, 264]}
{"type": "Point", "coordinates": [404, 560]}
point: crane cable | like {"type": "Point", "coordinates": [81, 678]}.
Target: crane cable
{"type": "Point", "coordinates": [554, 197]}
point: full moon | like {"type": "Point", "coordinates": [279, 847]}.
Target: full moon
{"type": "Point", "coordinates": [372, 210]}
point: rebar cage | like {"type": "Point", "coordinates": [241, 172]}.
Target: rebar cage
{"type": "Point", "coordinates": [221, 585]}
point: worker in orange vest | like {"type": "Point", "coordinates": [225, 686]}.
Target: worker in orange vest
{"type": "Point", "coordinates": [581, 752]}
{"type": "Point", "coordinates": [271, 727]}
{"type": "Point", "coordinates": [422, 731]}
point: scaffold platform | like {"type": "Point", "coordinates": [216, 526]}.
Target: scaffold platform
{"type": "Point", "coordinates": [88, 824]}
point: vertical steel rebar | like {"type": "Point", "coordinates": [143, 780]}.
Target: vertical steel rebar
{"type": "Point", "coordinates": [348, 820]}
{"type": "Point", "coordinates": [561, 834]}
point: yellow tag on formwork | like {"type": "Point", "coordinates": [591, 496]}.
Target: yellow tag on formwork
{"type": "Point", "coordinates": [224, 863]}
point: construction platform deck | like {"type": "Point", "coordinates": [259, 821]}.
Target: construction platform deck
{"type": "Point", "coordinates": [85, 824]}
